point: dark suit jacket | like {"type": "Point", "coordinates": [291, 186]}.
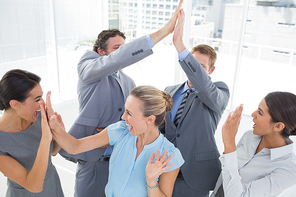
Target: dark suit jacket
{"type": "Point", "coordinates": [194, 135]}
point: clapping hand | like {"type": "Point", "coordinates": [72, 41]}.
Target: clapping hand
{"type": "Point", "coordinates": [154, 170]}
{"type": "Point", "coordinates": [230, 128]}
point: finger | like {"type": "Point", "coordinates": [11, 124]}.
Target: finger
{"type": "Point", "coordinates": [167, 167]}
{"type": "Point", "coordinates": [158, 154]}
{"type": "Point", "coordinates": [43, 114]}
{"type": "Point", "coordinates": [164, 156]}
{"type": "Point", "coordinates": [49, 109]}
{"type": "Point", "coordinates": [151, 158]}
{"type": "Point", "coordinates": [179, 6]}
{"type": "Point", "coordinates": [177, 10]}
{"type": "Point", "coordinates": [168, 159]}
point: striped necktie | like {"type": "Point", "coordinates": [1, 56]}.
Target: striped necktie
{"type": "Point", "coordinates": [181, 107]}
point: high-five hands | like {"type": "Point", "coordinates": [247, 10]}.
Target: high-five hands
{"type": "Point", "coordinates": [178, 33]}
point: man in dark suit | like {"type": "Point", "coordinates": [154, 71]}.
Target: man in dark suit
{"type": "Point", "coordinates": [192, 122]}
{"type": "Point", "coordinates": [102, 91]}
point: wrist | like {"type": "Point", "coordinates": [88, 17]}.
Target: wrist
{"type": "Point", "coordinates": [152, 187]}
{"type": "Point", "coordinates": [229, 148]}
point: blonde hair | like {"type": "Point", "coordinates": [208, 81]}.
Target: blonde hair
{"type": "Point", "coordinates": [206, 50]}
{"type": "Point", "coordinates": [155, 102]}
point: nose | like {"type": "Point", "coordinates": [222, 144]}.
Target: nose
{"type": "Point", "coordinates": [123, 116]}
{"type": "Point", "coordinates": [253, 114]}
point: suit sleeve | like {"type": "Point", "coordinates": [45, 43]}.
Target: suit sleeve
{"type": "Point", "coordinates": [93, 67]}
{"type": "Point", "coordinates": [213, 95]}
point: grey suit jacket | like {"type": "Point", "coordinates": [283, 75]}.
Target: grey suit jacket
{"type": "Point", "coordinates": [102, 92]}
{"type": "Point", "coordinates": [194, 135]}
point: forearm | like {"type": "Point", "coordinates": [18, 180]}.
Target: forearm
{"type": "Point", "coordinates": [65, 140]}
{"type": "Point", "coordinates": [35, 178]}
{"type": "Point", "coordinates": [157, 36]}
{"type": "Point", "coordinates": [56, 148]}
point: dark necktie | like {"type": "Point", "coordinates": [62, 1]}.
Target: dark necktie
{"type": "Point", "coordinates": [181, 107]}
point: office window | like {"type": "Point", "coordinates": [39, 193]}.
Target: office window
{"type": "Point", "coordinates": [154, 6]}
{"type": "Point", "coordinates": [160, 13]}
{"type": "Point", "coordinates": [160, 6]}
{"type": "Point", "coordinates": [167, 7]}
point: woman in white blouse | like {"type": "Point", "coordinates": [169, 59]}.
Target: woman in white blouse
{"type": "Point", "coordinates": [263, 162]}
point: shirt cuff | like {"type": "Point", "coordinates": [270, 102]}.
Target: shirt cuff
{"type": "Point", "coordinates": [149, 41]}
{"type": "Point", "coordinates": [229, 161]}
{"type": "Point", "coordinates": [183, 54]}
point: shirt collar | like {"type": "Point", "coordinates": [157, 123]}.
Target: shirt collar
{"type": "Point", "coordinates": [274, 152]}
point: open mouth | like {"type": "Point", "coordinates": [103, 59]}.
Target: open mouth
{"type": "Point", "coordinates": [35, 114]}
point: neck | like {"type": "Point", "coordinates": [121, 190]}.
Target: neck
{"type": "Point", "coordinates": [270, 142]}
{"type": "Point", "coordinates": [11, 122]}
{"type": "Point", "coordinates": [149, 136]}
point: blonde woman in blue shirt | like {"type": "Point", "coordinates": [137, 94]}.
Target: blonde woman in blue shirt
{"type": "Point", "coordinates": [263, 162]}
{"type": "Point", "coordinates": [134, 169]}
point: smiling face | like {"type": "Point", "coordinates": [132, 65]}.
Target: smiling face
{"type": "Point", "coordinates": [262, 119]}
{"type": "Point", "coordinates": [133, 116]}
{"type": "Point", "coordinates": [27, 110]}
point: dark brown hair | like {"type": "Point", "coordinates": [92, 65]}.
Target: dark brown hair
{"type": "Point", "coordinates": [16, 85]}
{"type": "Point", "coordinates": [282, 108]}
{"type": "Point", "coordinates": [103, 37]}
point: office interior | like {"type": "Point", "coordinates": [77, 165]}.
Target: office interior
{"type": "Point", "coordinates": [255, 41]}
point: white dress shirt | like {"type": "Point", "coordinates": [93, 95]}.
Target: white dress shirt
{"type": "Point", "coordinates": [266, 173]}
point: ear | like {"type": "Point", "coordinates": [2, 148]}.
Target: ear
{"type": "Point", "coordinates": [151, 119]}
{"type": "Point", "coordinates": [279, 126]}
{"type": "Point", "coordinates": [212, 70]}
{"type": "Point", "coordinates": [101, 52]}
{"type": "Point", "coordinates": [14, 104]}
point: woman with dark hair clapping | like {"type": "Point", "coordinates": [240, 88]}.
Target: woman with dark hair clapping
{"type": "Point", "coordinates": [25, 139]}
{"type": "Point", "coordinates": [263, 162]}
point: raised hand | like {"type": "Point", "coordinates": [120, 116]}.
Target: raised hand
{"type": "Point", "coordinates": [167, 28]}
{"type": "Point", "coordinates": [46, 133]}
{"type": "Point", "coordinates": [170, 25]}
{"type": "Point", "coordinates": [48, 107]}
{"type": "Point", "coordinates": [230, 128]}
{"type": "Point", "coordinates": [178, 33]}
{"type": "Point", "coordinates": [154, 170]}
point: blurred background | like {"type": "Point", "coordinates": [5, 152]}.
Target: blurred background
{"type": "Point", "coordinates": [255, 41]}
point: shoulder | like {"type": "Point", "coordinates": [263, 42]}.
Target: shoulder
{"type": "Point", "coordinates": [177, 158]}
{"type": "Point", "coordinates": [89, 55]}
{"type": "Point", "coordinates": [173, 88]}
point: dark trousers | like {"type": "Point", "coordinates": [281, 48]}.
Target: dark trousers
{"type": "Point", "coordinates": [181, 189]}
{"type": "Point", "coordinates": [91, 178]}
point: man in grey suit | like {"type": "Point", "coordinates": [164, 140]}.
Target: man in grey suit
{"type": "Point", "coordinates": [192, 122]}
{"type": "Point", "coordinates": [102, 91]}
